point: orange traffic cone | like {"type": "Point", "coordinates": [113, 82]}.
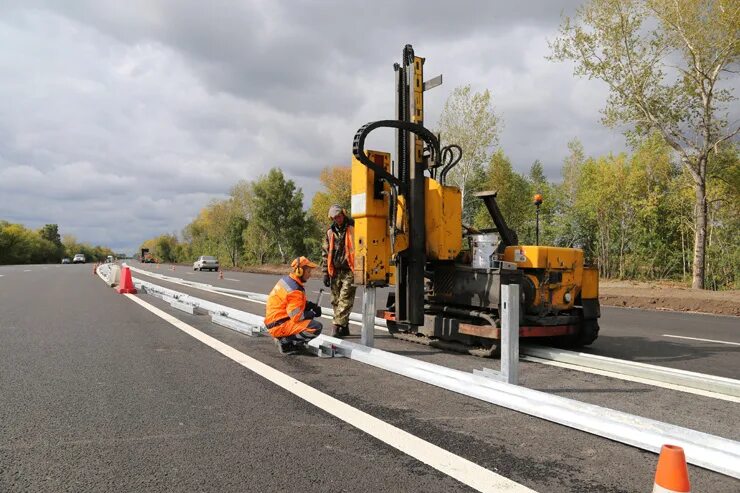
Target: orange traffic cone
{"type": "Point", "coordinates": [95, 266]}
{"type": "Point", "coordinates": [220, 274]}
{"type": "Point", "coordinates": [127, 284]}
{"type": "Point", "coordinates": [173, 267]}
{"type": "Point", "coordinates": [157, 265]}
{"type": "Point", "coordinates": [672, 475]}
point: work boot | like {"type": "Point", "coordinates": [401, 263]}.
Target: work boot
{"type": "Point", "coordinates": [344, 332]}
{"type": "Point", "coordinates": [336, 331]}
{"type": "Point", "coordinates": [285, 347]}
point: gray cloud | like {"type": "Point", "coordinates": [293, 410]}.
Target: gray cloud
{"type": "Point", "coordinates": [120, 120]}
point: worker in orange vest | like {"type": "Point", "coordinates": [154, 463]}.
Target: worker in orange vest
{"type": "Point", "coordinates": [338, 263]}
{"type": "Point", "coordinates": [289, 316]}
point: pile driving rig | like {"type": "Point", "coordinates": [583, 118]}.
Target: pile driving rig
{"type": "Point", "coordinates": [409, 233]}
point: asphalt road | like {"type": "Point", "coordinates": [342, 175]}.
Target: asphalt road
{"type": "Point", "coordinates": [99, 395]}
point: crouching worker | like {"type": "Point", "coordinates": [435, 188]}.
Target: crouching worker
{"type": "Point", "coordinates": [289, 316]}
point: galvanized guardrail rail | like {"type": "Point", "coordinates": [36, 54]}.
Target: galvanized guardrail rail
{"type": "Point", "coordinates": [681, 380]}
{"type": "Point", "coordinates": [702, 449]}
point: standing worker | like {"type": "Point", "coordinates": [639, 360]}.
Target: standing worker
{"type": "Point", "coordinates": [338, 252]}
{"type": "Point", "coordinates": [289, 317]}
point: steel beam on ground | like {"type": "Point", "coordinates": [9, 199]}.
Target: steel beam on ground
{"type": "Point", "coordinates": [645, 371]}
{"type": "Point", "coordinates": [236, 325]}
{"type": "Point", "coordinates": [184, 307]}
{"type": "Point", "coordinates": [710, 383]}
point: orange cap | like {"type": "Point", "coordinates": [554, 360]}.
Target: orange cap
{"type": "Point", "coordinates": [672, 473]}
{"type": "Point", "coordinates": [302, 262]}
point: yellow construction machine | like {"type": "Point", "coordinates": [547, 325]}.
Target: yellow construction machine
{"type": "Point", "coordinates": [409, 234]}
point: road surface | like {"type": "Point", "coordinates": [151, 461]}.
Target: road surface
{"type": "Point", "coordinates": [100, 394]}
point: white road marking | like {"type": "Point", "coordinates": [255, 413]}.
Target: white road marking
{"type": "Point", "coordinates": [230, 279]}
{"type": "Point", "coordinates": [463, 470]}
{"type": "Point", "coordinates": [703, 340]}
{"type": "Point", "coordinates": [1, 275]}
{"type": "Point", "coordinates": [27, 270]}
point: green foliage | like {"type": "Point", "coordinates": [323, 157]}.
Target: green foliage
{"type": "Point", "coordinates": [278, 222]}
{"type": "Point", "coordinates": [631, 214]}
{"type": "Point", "coordinates": [663, 61]}
{"type": "Point", "coordinates": [469, 121]}
{"type": "Point", "coordinates": [337, 182]}
{"type": "Point", "coordinates": [50, 232]}
{"type": "Point", "coordinates": [513, 196]}
{"type": "Point", "coordinates": [261, 221]}
{"type": "Point", "coordinates": [20, 245]}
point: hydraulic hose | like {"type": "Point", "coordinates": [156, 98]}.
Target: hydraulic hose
{"type": "Point", "coordinates": [463, 312]}
{"type": "Point", "coordinates": [358, 147]}
{"type": "Point", "coordinates": [449, 160]}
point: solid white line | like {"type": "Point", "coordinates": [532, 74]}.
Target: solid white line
{"type": "Point", "coordinates": [230, 279]}
{"type": "Point", "coordinates": [703, 340]}
{"type": "Point", "coordinates": [630, 378]}
{"type": "Point", "coordinates": [27, 270]}
{"type": "Point", "coordinates": [453, 465]}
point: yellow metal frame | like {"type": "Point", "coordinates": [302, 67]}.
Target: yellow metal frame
{"type": "Point", "coordinates": [370, 213]}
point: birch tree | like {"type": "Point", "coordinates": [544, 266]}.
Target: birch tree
{"type": "Point", "coordinates": [469, 121]}
{"type": "Point", "coordinates": [664, 62]}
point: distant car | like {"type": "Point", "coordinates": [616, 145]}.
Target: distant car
{"type": "Point", "coordinates": [79, 259]}
{"type": "Point", "coordinates": [109, 259]}
{"type": "Point", "coordinates": [65, 260]}
{"type": "Point", "coordinates": [206, 262]}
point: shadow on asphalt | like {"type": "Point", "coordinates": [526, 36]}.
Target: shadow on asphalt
{"type": "Point", "coordinates": [595, 391]}
{"type": "Point", "coordinates": [645, 350]}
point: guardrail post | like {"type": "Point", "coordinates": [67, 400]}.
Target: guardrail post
{"type": "Point", "coordinates": [367, 337]}
{"type": "Point", "coordinates": [510, 333]}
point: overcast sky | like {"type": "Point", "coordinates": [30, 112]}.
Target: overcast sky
{"type": "Point", "coordinates": [120, 120]}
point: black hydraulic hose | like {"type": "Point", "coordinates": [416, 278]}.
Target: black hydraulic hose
{"type": "Point", "coordinates": [358, 146]}
{"type": "Point", "coordinates": [451, 162]}
{"type": "Point", "coordinates": [463, 312]}
{"type": "Point", "coordinates": [393, 206]}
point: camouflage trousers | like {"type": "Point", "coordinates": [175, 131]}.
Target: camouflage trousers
{"type": "Point", "coordinates": [343, 296]}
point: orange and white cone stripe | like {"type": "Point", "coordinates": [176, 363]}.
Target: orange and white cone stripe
{"type": "Point", "coordinates": [672, 475]}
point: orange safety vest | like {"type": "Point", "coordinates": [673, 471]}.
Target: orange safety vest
{"type": "Point", "coordinates": [349, 249]}
{"type": "Point", "coordinates": [285, 308]}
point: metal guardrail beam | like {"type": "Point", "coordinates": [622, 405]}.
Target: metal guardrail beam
{"type": "Point", "coordinates": [709, 383]}
{"type": "Point", "coordinates": [692, 380]}
{"type": "Point", "coordinates": [702, 449]}
{"type": "Point", "coordinates": [238, 320]}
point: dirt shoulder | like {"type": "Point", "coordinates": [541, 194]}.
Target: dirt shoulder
{"type": "Point", "coordinates": [665, 296]}
{"type": "Point", "coordinates": [630, 294]}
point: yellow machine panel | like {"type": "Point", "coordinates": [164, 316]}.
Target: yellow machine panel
{"type": "Point", "coordinates": [544, 257]}
{"type": "Point", "coordinates": [370, 213]}
{"type": "Point", "coordinates": [559, 278]}
{"type": "Point", "coordinates": [590, 288]}
{"type": "Point", "coordinates": [443, 220]}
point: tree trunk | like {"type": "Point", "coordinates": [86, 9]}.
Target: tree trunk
{"type": "Point", "coordinates": [700, 234]}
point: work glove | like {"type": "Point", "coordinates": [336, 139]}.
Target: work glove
{"type": "Point", "coordinates": [313, 309]}
{"type": "Point", "coordinates": [327, 280]}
